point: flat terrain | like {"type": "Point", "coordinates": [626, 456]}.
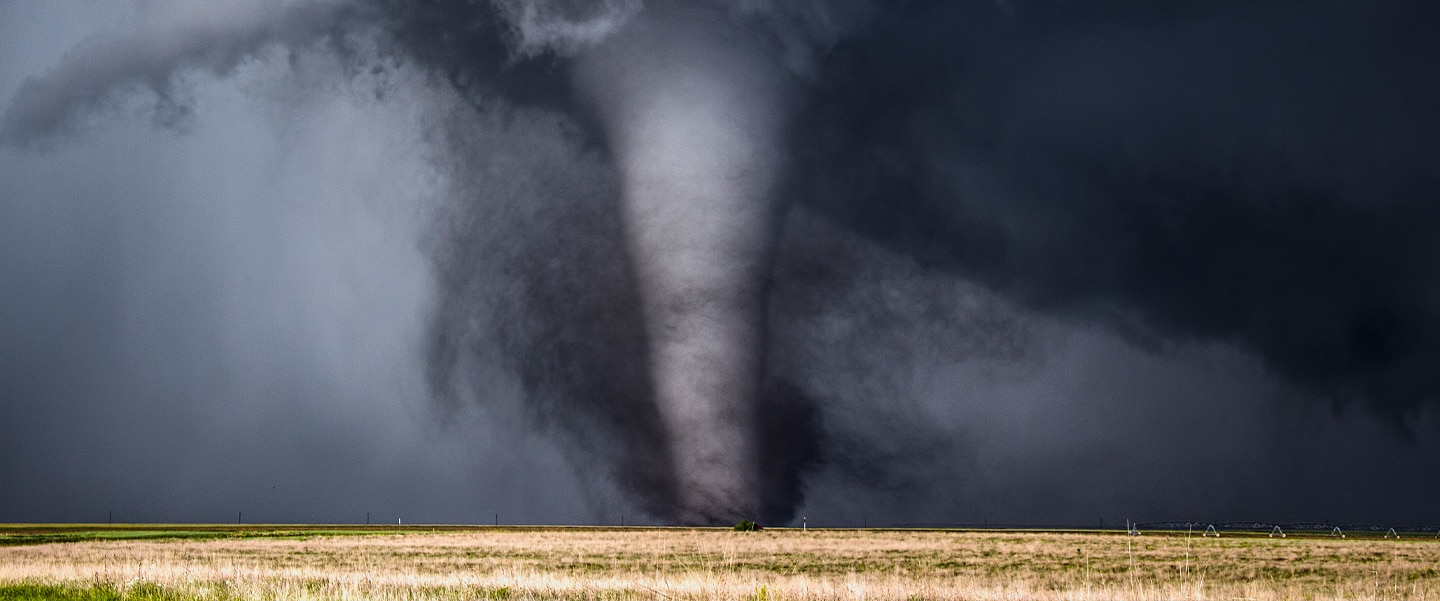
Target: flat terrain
{"type": "Point", "coordinates": [345, 562]}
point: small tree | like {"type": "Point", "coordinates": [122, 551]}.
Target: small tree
{"type": "Point", "coordinates": [747, 526]}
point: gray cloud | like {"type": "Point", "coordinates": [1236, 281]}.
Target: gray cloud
{"type": "Point", "coordinates": [231, 319]}
{"type": "Point", "coordinates": [1038, 261]}
{"type": "Point", "coordinates": [151, 58]}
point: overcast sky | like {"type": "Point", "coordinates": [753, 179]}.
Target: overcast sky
{"type": "Point", "coordinates": [1037, 264]}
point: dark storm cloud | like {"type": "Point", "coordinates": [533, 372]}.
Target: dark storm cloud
{"type": "Point", "coordinates": [1254, 173]}
{"type": "Point", "coordinates": [990, 215]}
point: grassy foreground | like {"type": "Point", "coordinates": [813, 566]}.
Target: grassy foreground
{"type": "Point", "coordinates": [257, 562]}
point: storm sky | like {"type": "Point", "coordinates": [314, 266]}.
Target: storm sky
{"type": "Point", "coordinates": [1027, 262]}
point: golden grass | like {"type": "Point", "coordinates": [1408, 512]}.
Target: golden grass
{"type": "Point", "coordinates": [569, 563]}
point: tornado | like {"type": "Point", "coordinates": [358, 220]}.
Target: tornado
{"type": "Point", "coordinates": [694, 112]}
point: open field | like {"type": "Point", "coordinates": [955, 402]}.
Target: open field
{"type": "Point", "coordinates": [345, 562]}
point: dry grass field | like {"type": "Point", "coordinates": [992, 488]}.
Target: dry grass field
{"type": "Point", "coordinates": [673, 564]}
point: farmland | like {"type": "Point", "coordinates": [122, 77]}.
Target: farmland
{"type": "Point", "coordinates": [446, 562]}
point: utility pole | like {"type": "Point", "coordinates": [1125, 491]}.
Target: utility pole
{"type": "Point", "coordinates": [111, 516]}
{"type": "Point", "coordinates": [239, 515]}
{"type": "Point", "coordinates": [497, 519]}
